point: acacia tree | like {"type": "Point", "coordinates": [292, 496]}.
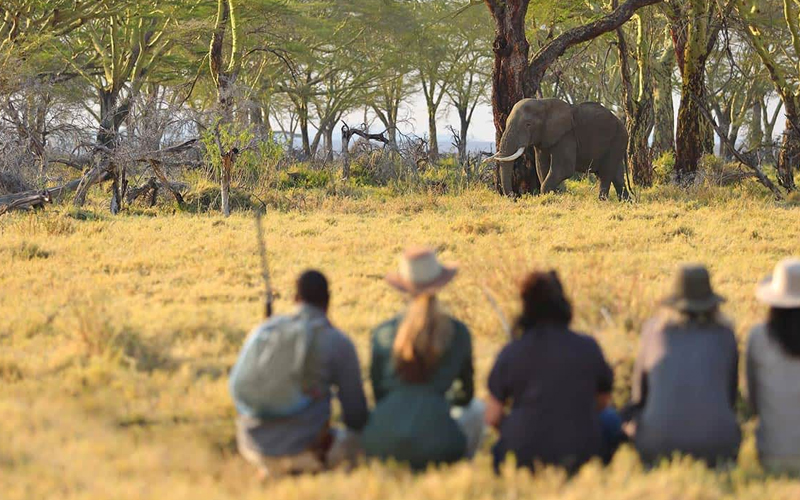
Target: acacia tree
{"type": "Point", "coordinates": [26, 26]}
{"type": "Point", "coordinates": [695, 26]}
{"type": "Point", "coordinates": [637, 92]}
{"type": "Point", "coordinates": [470, 55]}
{"type": "Point", "coordinates": [114, 55]}
{"type": "Point", "coordinates": [392, 26]}
{"type": "Point", "coordinates": [782, 65]}
{"type": "Point", "coordinates": [515, 76]}
{"type": "Point", "coordinates": [435, 59]}
{"type": "Point", "coordinates": [735, 80]}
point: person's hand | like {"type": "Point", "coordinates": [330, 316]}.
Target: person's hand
{"type": "Point", "coordinates": [603, 400]}
{"type": "Point", "coordinates": [629, 428]}
{"type": "Point", "coordinates": [494, 412]}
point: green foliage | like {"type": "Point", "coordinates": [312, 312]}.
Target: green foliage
{"type": "Point", "coordinates": [663, 167]}
{"type": "Point", "coordinates": [304, 177]}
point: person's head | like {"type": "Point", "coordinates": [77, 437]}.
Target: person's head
{"type": "Point", "coordinates": [543, 301]}
{"type": "Point", "coordinates": [426, 330]}
{"type": "Point", "coordinates": [781, 292]}
{"type": "Point", "coordinates": [312, 288]}
{"type": "Point", "coordinates": [692, 297]}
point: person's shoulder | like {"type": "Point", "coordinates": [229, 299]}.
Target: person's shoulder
{"type": "Point", "coordinates": [757, 336]}
{"type": "Point", "coordinates": [461, 328]}
{"type": "Point", "coordinates": [585, 340]}
{"type": "Point", "coordinates": [339, 340]}
{"type": "Point", "coordinates": [271, 323]}
{"type": "Point", "coordinates": [385, 331]}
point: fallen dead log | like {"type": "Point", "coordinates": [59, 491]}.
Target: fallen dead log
{"type": "Point", "coordinates": [34, 200]}
{"type": "Point", "coordinates": [151, 187]}
{"type": "Point", "coordinates": [18, 200]}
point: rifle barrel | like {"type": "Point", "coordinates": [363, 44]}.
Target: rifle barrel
{"type": "Point", "coordinates": [262, 250]}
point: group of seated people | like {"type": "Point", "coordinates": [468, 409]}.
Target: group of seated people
{"type": "Point", "coordinates": [549, 389]}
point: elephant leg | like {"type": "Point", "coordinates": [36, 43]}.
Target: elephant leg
{"type": "Point", "coordinates": [605, 187]}
{"type": "Point", "coordinates": [563, 164]}
{"type": "Point", "coordinates": [542, 164]}
{"type": "Point", "coordinates": [619, 186]}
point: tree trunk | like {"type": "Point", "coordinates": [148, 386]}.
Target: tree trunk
{"type": "Point", "coordinates": [663, 108]}
{"type": "Point", "coordinates": [638, 108]}
{"type": "Point", "coordinates": [112, 115]}
{"type": "Point", "coordinates": [329, 143]}
{"type": "Point", "coordinates": [789, 157]}
{"type": "Point", "coordinates": [755, 130]}
{"type": "Point", "coordinates": [733, 137]}
{"type": "Point", "coordinates": [463, 118]}
{"type": "Point", "coordinates": [433, 141]}
{"type": "Point", "coordinates": [345, 152]}
{"type": "Point", "coordinates": [723, 116]}
{"type": "Point", "coordinates": [690, 141]}
{"type": "Point", "coordinates": [227, 167]}
{"type": "Point", "coordinates": [302, 115]}
{"type": "Point", "coordinates": [508, 84]}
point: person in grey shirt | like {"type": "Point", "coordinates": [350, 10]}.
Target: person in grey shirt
{"type": "Point", "coordinates": [305, 441]}
{"type": "Point", "coordinates": [685, 377]}
{"type": "Point", "coordinates": [773, 370]}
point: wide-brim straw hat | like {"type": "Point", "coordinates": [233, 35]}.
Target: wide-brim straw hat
{"type": "Point", "coordinates": [419, 271]}
{"type": "Point", "coordinates": [782, 289]}
{"type": "Point", "coordinates": [691, 290]}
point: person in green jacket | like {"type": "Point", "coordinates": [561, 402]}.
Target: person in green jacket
{"type": "Point", "coordinates": [422, 375]}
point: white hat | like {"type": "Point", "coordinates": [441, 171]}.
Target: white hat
{"type": "Point", "coordinates": [782, 289]}
{"type": "Point", "coordinates": [420, 272]}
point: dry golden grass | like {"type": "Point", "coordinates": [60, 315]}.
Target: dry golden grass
{"type": "Point", "coordinates": [116, 333]}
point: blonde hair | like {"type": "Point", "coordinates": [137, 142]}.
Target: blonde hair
{"type": "Point", "coordinates": [422, 338]}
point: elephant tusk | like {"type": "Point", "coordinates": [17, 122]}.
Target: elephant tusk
{"type": "Point", "coordinates": [512, 157]}
{"type": "Point", "coordinates": [490, 158]}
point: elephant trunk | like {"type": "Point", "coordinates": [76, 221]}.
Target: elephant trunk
{"type": "Point", "coordinates": [506, 156]}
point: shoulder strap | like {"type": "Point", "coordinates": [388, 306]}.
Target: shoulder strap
{"type": "Point", "coordinates": [311, 356]}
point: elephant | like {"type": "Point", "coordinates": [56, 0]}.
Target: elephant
{"type": "Point", "coordinates": [566, 139]}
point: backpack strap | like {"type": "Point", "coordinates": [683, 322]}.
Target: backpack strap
{"type": "Point", "coordinates": [311, 359]}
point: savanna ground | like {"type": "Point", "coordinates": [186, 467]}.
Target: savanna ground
{"type": "Point", "coordinates": [116, 333]}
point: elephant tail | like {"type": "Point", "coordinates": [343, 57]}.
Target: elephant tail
{"type": "Point", "coordinates": [628, 183]}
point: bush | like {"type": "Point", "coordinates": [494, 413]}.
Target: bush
{"type": "Point", "coordinates": [664, 168]}
{"type": "Point", "coordinates": [305, 178]}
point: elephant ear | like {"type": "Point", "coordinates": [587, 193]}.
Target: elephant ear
{"type": "Point", "coordinates": [558, 122]}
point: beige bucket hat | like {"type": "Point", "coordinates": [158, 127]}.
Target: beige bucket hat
{"type": "Point", "coordinates": [419, 271]}
{"type": "Point", "coordinates": [691, 291]}
{"type": "Point", "coordinates": [782, 289]}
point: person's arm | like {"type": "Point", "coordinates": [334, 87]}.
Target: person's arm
{"type": "Point", "coordinates": [734, 375]}
{"type": "Point", "coordinates": [605, 380]}
{"type": "Point", "coordinates": [638, 386]}
{"type": "Point", "coordinates": [347, 377]}
{"type": "Point", "coordinates": [499, 390]}
{"type": "Point", "coordinates": [751, 367]}
{"type": "Point", "coordinates": [639, 377]}
{"type": "Point", "coordinates": [376, 368]}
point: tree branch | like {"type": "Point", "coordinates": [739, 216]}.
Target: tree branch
{"type": "Point", "coordinates": [542, 60]}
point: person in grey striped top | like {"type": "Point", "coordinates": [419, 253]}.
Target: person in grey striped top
{"type": "Point", "coordinates": [773, 370]}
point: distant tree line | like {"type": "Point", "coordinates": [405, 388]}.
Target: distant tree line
{"type": "Point", "coordinates": [83, 82]}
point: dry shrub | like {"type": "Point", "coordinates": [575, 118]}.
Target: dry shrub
{"type": "Point", "coordinates": [10, 371]}
{"type": "Point", "coordinates": [11, 183]}
{"type": "Point", "coordinates": [99, 337]}
{"type": "Point", "coordinates": [478, 227]}
{"type": "Point", "coordinates": [713, 171]}
{"type": "Point", "coordinates": [29, 251]}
